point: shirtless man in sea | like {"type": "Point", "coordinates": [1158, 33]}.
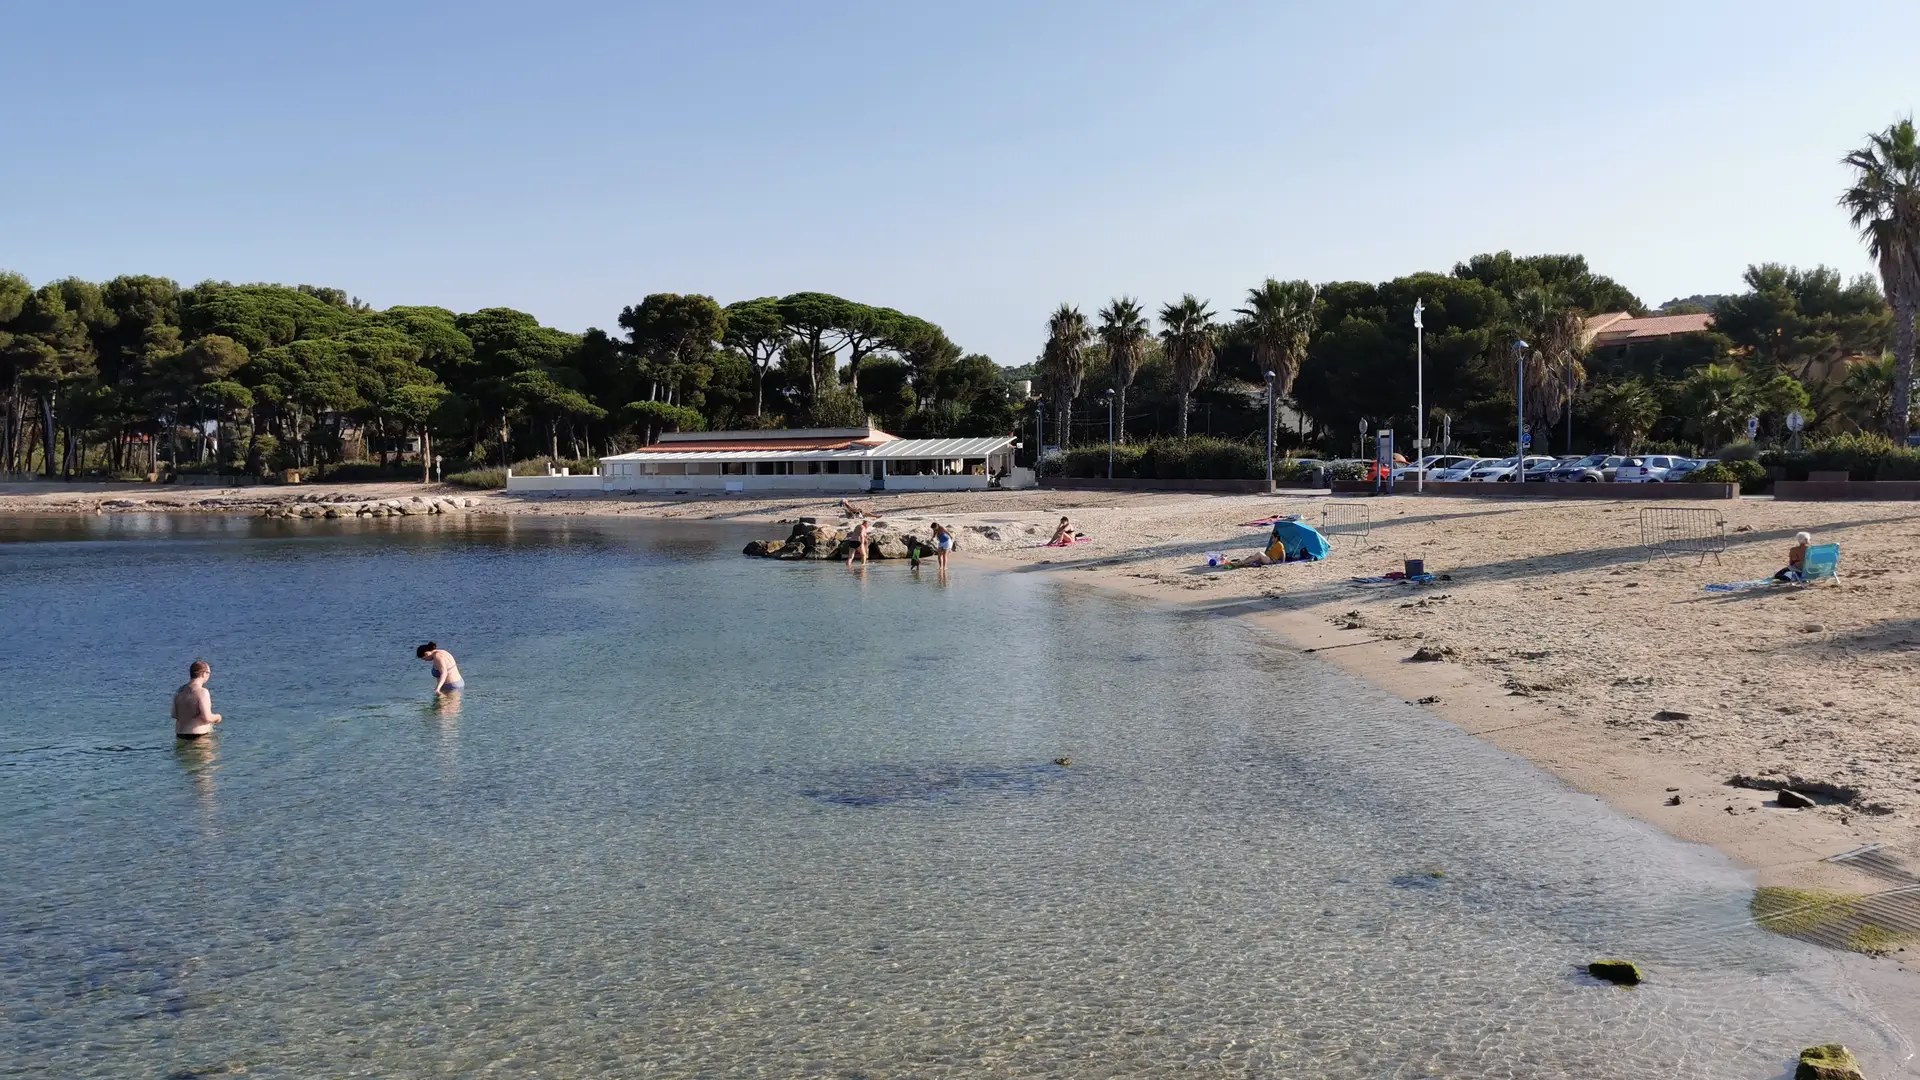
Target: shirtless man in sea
{"type": "Point", "coordinates": [193, 714]}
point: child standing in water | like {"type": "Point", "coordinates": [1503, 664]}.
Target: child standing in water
{"type": "Point", "coordinates": [446, 673]}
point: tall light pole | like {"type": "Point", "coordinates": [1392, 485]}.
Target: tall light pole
{"type": "Point", "coordinates": [1420, 399]}
{"type": "Point", "coordinates": [1039, 431]}
{"type": "Point", "coordinates": [1269, 431]}
{"type": "Point", "coordinates": [1109, 432]}
{"type": "Point", "coordinates": [1520, 411]}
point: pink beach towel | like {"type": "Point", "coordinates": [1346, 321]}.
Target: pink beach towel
{"type": "Point", "coordinates": [1071, 540]}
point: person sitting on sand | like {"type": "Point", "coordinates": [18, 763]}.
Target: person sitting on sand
{"type": "Point", "coordinates": [446, 673]}
{"type": "Point", "coordinates": [193, 714]}
{"type": "Point", "coordinates": [858, 545]}
{"type": "Point", "coordinates": [1062, 535]}
{"type": "Point", "coordinates": [1796, 568]}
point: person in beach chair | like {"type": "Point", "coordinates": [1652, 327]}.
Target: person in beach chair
{"type": "Point", "coordinates": [1291, 541]}
{"type": "Point", "coordinates": [1796, 566]}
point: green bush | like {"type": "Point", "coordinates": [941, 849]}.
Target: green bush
{"type": "Point", "coordinates": [1194, 458]}
{"type": "Point", "coordinates": [366, 472]}
{"type": "Point", "coordinates": [538, 466]}
{"type": "Point", "coordinates": [1863, 456]}
{"type": "Point", "coordinates": [1716, 473]}
{"type": "Point", "coordinates": [1743, 450]}
{"type": "Point", "coordinates": [1202, 458]}
{"type": "Point", "coordinates": [1347, 470]}
{"type": "Point", "coordinates": [479, 478]}
{"type": "Point", "coordinates": [1750, 474]}
{"type": "Point", "coordinates": [1091, 461]}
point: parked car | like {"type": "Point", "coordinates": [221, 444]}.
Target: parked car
{"type": "Point", "coordinates": [1590, 469]}
{"type": "Point", "coordinates": [1432, 463]}
{"type": "Point", "coordinates": [1688, 467]}
{"type": "Point", "coordinates": [1462, 471]}
{"type": "Point", "coordinates": [1646, 469]}
{"type": "Point", "coordinates": [1503, 470]}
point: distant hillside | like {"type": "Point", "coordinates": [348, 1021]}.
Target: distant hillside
{"type": "Point", "coordinates": [1707, 302]}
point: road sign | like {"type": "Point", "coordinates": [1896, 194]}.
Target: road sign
{"type": "Point", "coordinates": [1753, 426]}
{"type": "Point", "coordinates": [1795, 421]}
{"type": "Point", "coordinates": [1526, 439]}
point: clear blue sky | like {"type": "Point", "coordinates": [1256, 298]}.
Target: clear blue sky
{"type": "Point", "coordinates": [972, 163]}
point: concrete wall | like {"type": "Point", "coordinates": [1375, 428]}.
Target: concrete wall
{"type": "Point", "coordinates": [1101, 483]}
{"type": "Point", "coordinates": [1844, 490]}
{"type": "Point", "coordinates": [1544, 490]}
{"type": "Point", "coordinates": [555, 483]}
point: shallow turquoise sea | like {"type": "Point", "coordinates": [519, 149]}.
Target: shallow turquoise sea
{"type": "Point", "coordinates": [701, 816]}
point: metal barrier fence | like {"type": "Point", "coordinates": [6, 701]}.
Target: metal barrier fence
{"type": "Point", "coordinates": [1341, 520]}
{"type": "Point", "coordinates": [1667, 531]}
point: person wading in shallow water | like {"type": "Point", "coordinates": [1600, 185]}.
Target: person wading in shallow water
{"type": "Point", "coordinates": [859, 544]}
{"type": "Point", "coordinates": [193, 714]}
{"type": "Point", "coordinates": [446, 673]}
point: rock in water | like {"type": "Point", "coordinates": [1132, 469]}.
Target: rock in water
{"type": "Point", "coordinates": [1617, 972]}
{"type": "Point", "coordinates": [1792, 800]}
{"type": "Point", "coordinates": [762, 548]}
{"type": "Point", "coordinates": [1829, 1062]}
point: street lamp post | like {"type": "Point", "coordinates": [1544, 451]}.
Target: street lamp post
{"type": "Point", "coordinates": [1269, 431]}
{"type": "Point", "coordinates": [1520, 412]}
{"type": "Point", "coordinates": [1109, 432]}
{"type": "Point", "coordinates": [1420, 397]}
{"type": "Point", "coordinates": [1039, 431]}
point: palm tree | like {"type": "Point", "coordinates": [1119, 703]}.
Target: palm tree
{"type": "Point", "coordinates": [1715, 400]}
{"type": "Point", "coordinates": [1884, 204]}
{"type": "Point", "coordinates": [1281, 318]}
{"type": "Point", "coordinates": [1868, 388]}
{"type": "Point", "coordinates": [1064, 361]}
{"type": "Point", "coordinates": [1553, 370]}
{"type": "Point", "coordinates": [1124, 330]}
{"type": "Point", "coordinates": [1187, 329]}
{"type": "Point", "coordinates": [1625, 410]}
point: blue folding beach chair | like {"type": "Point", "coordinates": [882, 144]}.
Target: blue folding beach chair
{"type": "Point", "coordinates": [1823, 561]}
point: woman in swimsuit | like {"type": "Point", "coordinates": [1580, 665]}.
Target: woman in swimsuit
{"type": "Point", "coordinates": [446, 673]}
{"type": "Point", "coordinates": [1062, 535]}
{"type": "Point", "coordinates": [942, 543]}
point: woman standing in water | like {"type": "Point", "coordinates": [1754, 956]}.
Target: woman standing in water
{"type": "Point", "coordinates": [446, 673]}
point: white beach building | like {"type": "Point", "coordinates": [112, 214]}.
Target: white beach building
{"type": "Point", "coordinates": [806, 459]}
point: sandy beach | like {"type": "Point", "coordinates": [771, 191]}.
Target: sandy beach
{"type": "Point", "coordinates": [1558, 638]}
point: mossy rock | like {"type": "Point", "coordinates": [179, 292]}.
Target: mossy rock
{"type": "Point", "coordinates": [1617, 972]}
{"type": "Point", "coordinates": [1836, 920]}
{"type": "Point", "coordinates": [1829, 1062]}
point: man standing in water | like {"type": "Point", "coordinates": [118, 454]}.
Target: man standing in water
{"type": "Point", "coordinates": [193, 714]}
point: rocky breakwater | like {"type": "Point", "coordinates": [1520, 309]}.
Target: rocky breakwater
{"type": "Point", "coordinates": [324, 506]}
{"type": "Point", "coordinates": [815, 539]}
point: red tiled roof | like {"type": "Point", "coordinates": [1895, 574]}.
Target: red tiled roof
{"type": "Point", "coordinates": [1620, 329]}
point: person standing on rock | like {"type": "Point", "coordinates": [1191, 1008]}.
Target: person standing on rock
{"type": "Point", "coordinates": [446, 673]}
{"type": "Point", "coordinates": [193, 715]}
{"type": "Point", "coordinates": [859, 543]}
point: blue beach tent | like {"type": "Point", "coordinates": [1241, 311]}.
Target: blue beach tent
{"type": "Point", "coordinates": [1301, 541]}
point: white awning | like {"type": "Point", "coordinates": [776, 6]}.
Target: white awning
{"type": "Point", "coordinates": [941, 449]}
{"type": "Point", "coordinates": [896, 450]}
